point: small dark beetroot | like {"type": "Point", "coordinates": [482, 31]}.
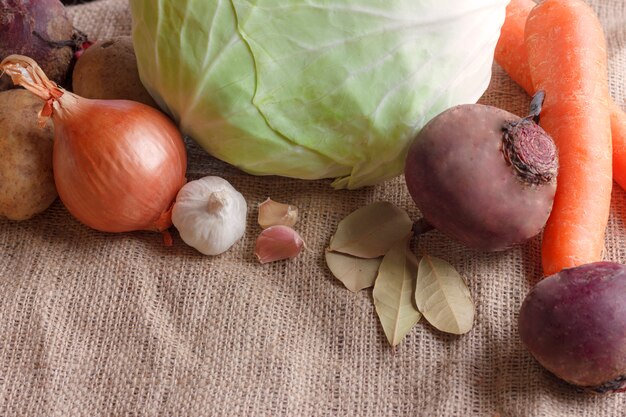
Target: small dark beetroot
{"type": "Point", "coordinates": [574, 324]}
{"type": "Point", "coordinates": [483, 176]}
{"type": "Point", "coordinates": [31, 27]}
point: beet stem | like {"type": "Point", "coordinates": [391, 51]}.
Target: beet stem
{"type": "Point", "coordinates": [78, 39]}
{"type": "Point", "coordinates": [536, 105]}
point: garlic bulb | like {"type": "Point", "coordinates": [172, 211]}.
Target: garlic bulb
{"type": "Point", "coordinates": [210, 215]}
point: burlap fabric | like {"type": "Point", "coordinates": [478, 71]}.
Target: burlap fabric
{"type": "Point", "coordinates": [94, 324]}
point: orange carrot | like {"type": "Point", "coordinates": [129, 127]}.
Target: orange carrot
{"type": "Point", "coordinates": [511, 55]}
{"type": "Point", "coordinates": [510, 50]}
{"type": "Point", "coordinates": [618, 132]}
{"type": "Point", "coordinates": [567, 58]}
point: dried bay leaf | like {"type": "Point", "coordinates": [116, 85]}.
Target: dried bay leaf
{"type": "Point", "coordinates": [355, 273]}
{"type": "Point", "coordinates": [442, 296]}
{"type": "Point", "coordinates": [371, 231]}
{"type": "Point", "coordinates": [394, 291]}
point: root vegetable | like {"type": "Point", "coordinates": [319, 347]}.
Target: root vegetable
{"type": "Point", "coordinates": [108, 70]}
{"type": "Point", "coordinates": [24, 28]}
{"type": "Point", "coordinates": [574, 324]}
{"type": "Point", "coordinates": [510, 51]}
{"type": "Point", "coordinates": [573, 321]}
{"type": "Point", "coordinates": [618, 141]}
{"type": "Point", "coordinates": [483, 176]}
{"type": "Point", "coordinates": [26, 178]}
{"type": "Point", "coordinates": [512, 56]}
{"type": "Point", "coordinates": [567, 58]}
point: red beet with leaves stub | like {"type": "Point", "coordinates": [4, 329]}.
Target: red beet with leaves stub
{"type": "Point", "coordinates": [41, 30]}
{"type": "Point", "coordinates": [484, 176]}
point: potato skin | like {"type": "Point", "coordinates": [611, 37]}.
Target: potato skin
{"type": "Point", "coordinates": [463, 185]}
{"type": "Point", "coordinates": [26, 179]}
{"type": "Point", "coordinates": [108, 70]}
{"type": "Point", "coordinates": [574, 324]}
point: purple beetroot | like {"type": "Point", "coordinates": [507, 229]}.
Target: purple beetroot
{"type": "Point", "coordinates": [39, 29]}
{"type": "Point", "coordinates": [483, 176]}
{"type": "Point", "coordinates": [574, 324]}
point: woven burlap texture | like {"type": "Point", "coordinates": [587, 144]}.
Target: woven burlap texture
{"type": "Point", "coordinates": [95, 324]}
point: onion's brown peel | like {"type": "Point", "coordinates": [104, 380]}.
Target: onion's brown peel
{"type": "Point", "coordinates": [117, 164]}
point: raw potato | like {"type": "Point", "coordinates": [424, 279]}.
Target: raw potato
{"type": "Point", "coordinates": [26, 179]}
{"type": "Point", "coordinates": [108, 70]}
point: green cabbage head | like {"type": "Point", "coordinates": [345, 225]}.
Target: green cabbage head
{"type": "Point", "coordinates": [313, 88]}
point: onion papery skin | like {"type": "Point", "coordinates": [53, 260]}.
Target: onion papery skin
{"type": "Point", "coordinates": [118, 165]}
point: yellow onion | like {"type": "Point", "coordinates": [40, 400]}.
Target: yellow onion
{"type": "Point", "coordinates": [117, 164]}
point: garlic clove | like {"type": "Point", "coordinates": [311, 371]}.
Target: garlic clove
{"type": "Point", "coordinates": [276, 243]}
{"type": "Point", "coordinates": [272, 213]}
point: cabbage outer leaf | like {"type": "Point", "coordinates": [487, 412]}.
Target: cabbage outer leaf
{"type": "Point", "coordinates": [316, 88]}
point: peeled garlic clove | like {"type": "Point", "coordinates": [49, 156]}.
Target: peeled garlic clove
{"type": "Point", "coordinates": [210, 215]}
{"type": "Point", "coordinates": [272, 213]}
{"type": "Point", "coordinates": [276, 243]}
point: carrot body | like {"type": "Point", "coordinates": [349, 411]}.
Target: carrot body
{"type": "Point", "coordinates": [511, 55]}
{"type": "Point", "coordinates": [618, 132]}
{"type": "Point", "coordinates": [567, 58]}
{"type": "Point", "coordinates": [510, 51]}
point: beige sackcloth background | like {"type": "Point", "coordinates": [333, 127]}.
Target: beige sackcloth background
{"type": "Point", "coordinates": [93, 324]}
